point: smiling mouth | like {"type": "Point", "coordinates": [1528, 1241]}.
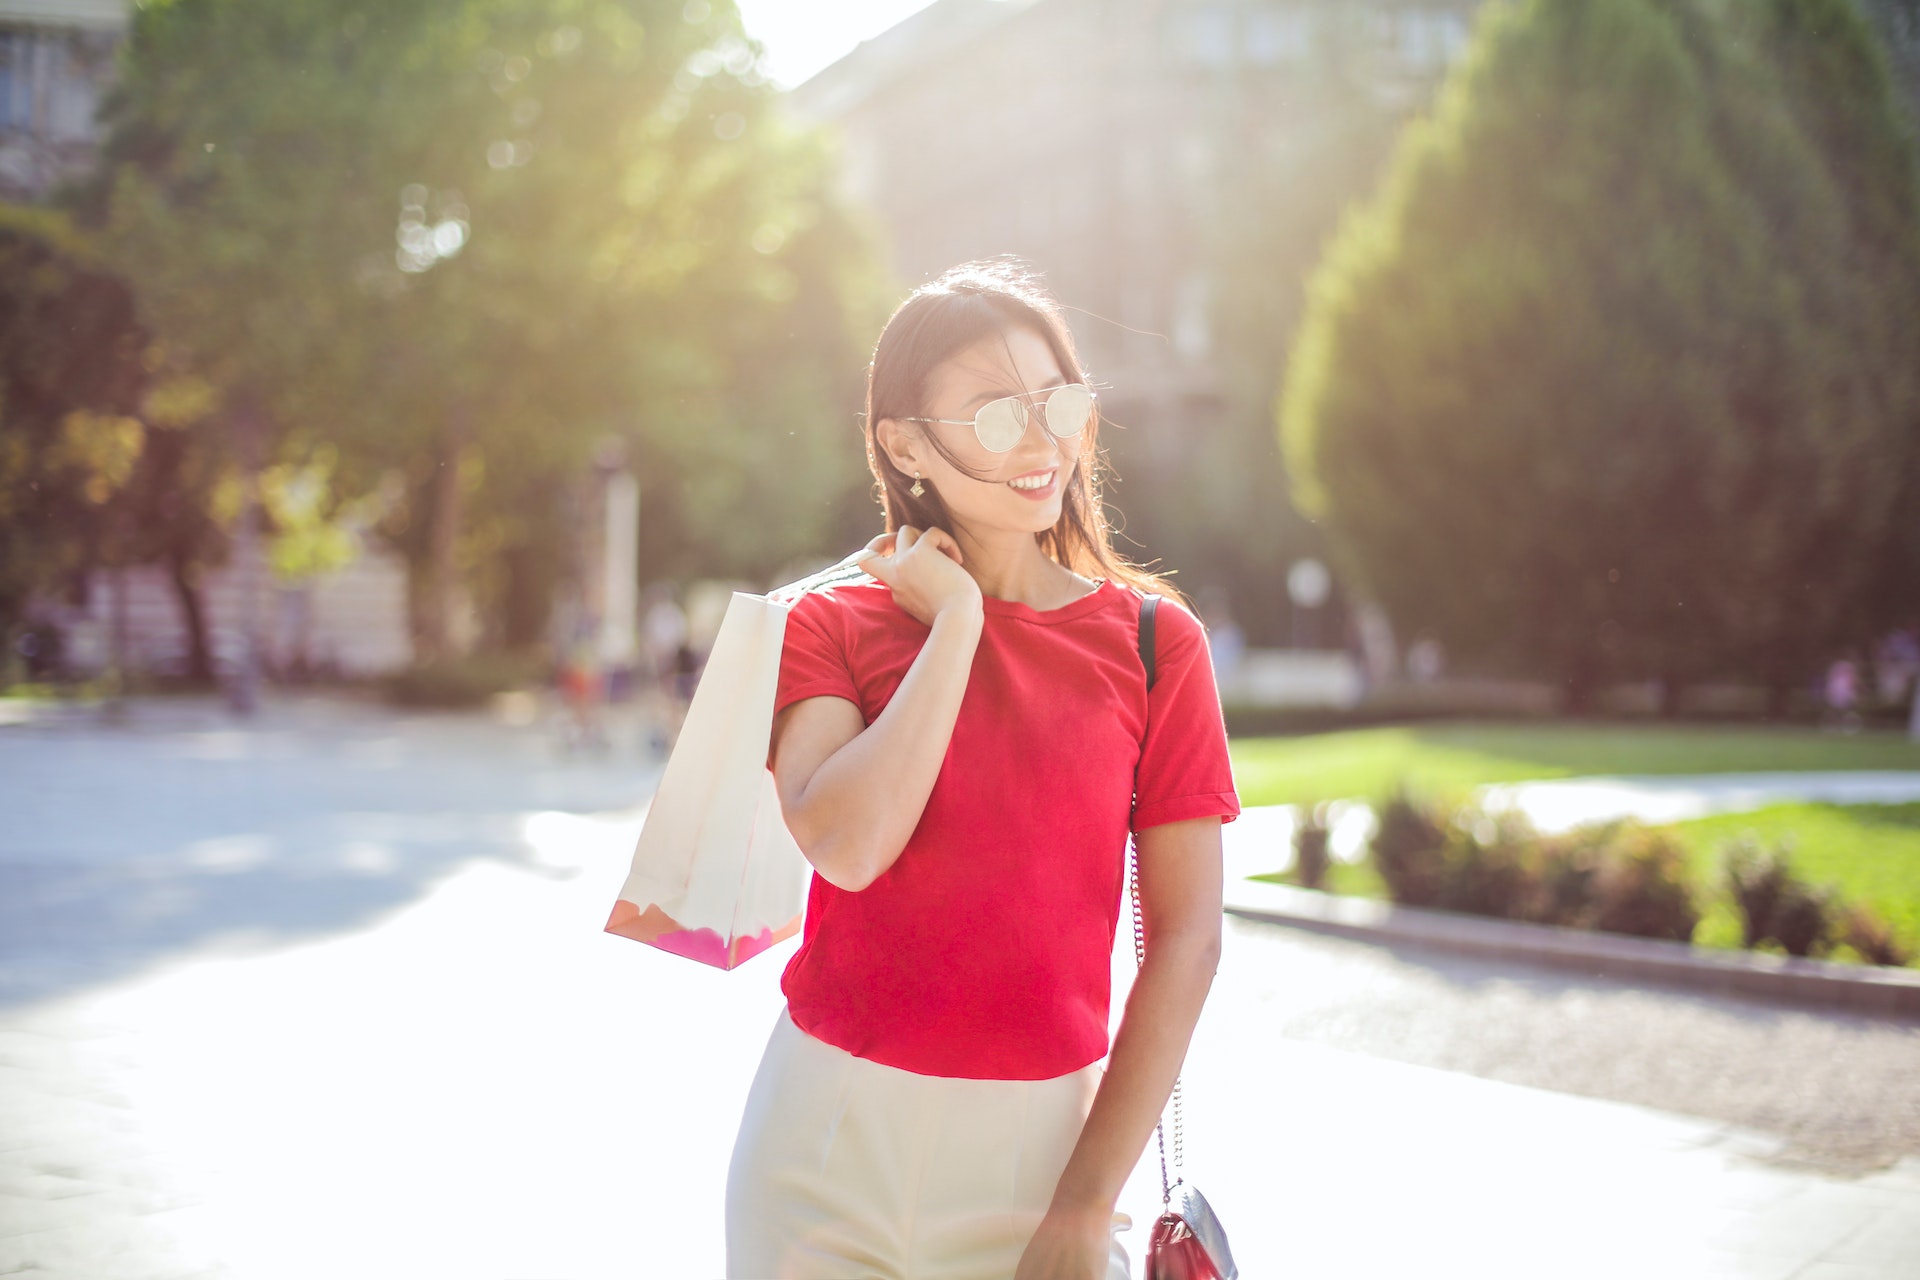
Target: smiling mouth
{"type": "Point", "coordinates": [1036, 481]}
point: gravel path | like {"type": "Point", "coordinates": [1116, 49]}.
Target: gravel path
{"type": "Point", "coordinates": [1843, 1090]}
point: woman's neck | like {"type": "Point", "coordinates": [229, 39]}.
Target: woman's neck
{"type": "Point", "coordinates": [1011, 566]}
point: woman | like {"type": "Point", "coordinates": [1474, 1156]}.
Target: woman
{"type": "Point", "coordinates": [960, 748]}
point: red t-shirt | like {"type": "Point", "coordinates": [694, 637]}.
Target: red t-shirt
{"type": "Point", "coordinates": [984, 951]}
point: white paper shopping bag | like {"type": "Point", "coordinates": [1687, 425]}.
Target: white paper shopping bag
{"type": "Point", "coordinates": [716, 876]}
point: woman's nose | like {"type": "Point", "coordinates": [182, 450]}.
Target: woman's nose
{"type": "Point", "coordinates": [1034, 414]}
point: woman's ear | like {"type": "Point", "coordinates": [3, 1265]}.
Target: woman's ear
{"type": "Point", "coordinates": [900, 446]}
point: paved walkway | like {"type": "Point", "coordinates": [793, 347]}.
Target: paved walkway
{"type": "Point", "coordinates": [1563, 804]}
{"type": "Point", "coordinates": [455, 1073]}
{"type": "Point", "coordinates": [484, 1086]}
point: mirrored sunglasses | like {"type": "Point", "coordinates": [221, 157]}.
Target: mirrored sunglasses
{"type": "Point", "coordinates": [999, 424]}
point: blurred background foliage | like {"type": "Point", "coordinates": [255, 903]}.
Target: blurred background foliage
{"type": "Point", "coordinates": [71, 378]}
{"type": "Point", "coordinates": [1603, 369]}
{"type": "Point", "coordinates": [1614, 377]}
{"type": "Point", "coordinates": [461, 250]}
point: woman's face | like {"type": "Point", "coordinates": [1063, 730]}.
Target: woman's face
{"type": "Point", "coordinates": [1019, 362]}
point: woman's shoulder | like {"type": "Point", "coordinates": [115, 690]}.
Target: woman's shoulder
{"type": "Point", "coordinates": [1177, 629]}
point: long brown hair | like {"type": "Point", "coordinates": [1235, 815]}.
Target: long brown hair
{"type": "Point", "coordinates": [943, 317]}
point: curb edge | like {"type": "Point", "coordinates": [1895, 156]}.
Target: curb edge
{"type": "Point", "coordinates": [1828, 984]}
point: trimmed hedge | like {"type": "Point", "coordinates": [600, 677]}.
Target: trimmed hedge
{"type": "Point", "coordinates": [1622, 877]}
{"type": "Point", "coordinates": [1777, 906]}
{"type": "Point", "coordinates": [1310, 840]}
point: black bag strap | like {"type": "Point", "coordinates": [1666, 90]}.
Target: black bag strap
{"type": "Point", "coordinates": [1147, 606]}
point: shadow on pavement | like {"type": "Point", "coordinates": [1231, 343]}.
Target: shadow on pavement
{"type": "Point", "coordinates": [123, 846]}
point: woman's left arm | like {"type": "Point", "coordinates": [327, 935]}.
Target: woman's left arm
{"type": "Point", "coordinates": [1180, 899]}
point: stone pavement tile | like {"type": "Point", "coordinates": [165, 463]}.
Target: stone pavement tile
{"type": "Point", "coordinates": [1890, 1242]}
{"type": "Point", "coordinates": [103, 1250]}
{"type": "Point", "coordinates": [1903, 1176]}
{"type": "Point", "coordinates": [1807, 1223]}
{"type": "Point", "coordinates": [40, 1185]}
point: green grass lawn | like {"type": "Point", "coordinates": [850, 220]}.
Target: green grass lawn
{"type": "Point", "coordinates": [1449, 760]}
{"type": "Point", "coordinates": [1870, 853]}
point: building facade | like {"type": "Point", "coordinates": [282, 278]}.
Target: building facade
{"type": "Point", "coordinates": [1124, 147]}
{"type": "Point", "coordinates": [56, 62]}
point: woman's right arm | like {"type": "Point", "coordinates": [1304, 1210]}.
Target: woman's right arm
{"type": "Point", "coordinates": [851, 792]}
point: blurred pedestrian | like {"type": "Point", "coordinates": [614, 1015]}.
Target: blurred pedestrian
{"type": "Point", "coordinates": [583, 692]}
{"type": "Point", "coordinates": [663, 632]}
{"type": "Point", "coordinates": [961, 747]}
{"type": "Point", "coordinates": [1225, 640]}
{"type": "Point", "coordinates": [1843, 691]}
{"type": "Point", "coordinates": [1896, 665]}
{"type": "Point", "coordinates": [681, 679]}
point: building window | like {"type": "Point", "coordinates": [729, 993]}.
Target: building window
{"type": "Point", "coordinates": [1036, 214]}
{"type": "Point", "coordinates": [1192, 329]}
{"type": "Point", "coordinates": [45, 86]}
{"type": "Point", "coordinates": [1136, 169]}
{"type": "Point", "coordinates": [1276, 37]}
{"type": "Point", "coordinates": [1205, 37]}
{"type": "Point", "coordinates": [1136, 306]}
{"type": "Point", "coordinates": [1429, 39]}
{"type": "Point", "coordinates": [1195, 156]}
{"type": "Point", "coordinates": [16, 79]}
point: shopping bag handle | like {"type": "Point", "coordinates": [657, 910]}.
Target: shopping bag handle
{"type": "Point", "coordinates": [844, 573]}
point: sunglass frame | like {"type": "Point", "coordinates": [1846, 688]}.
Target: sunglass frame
{"type": "Point", "coordinates": [1021, 412]}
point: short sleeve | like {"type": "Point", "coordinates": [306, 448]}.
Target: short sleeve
{"type": "Point", "coordinates": [813, 659]}
{"type": "Point", "coordinates": [1184, 769]}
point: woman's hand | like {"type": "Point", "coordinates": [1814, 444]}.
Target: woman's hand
{"type": "Point", "coordinates": [924, 571]}
{"type": "Point", "coordinates": [1068, 1246]}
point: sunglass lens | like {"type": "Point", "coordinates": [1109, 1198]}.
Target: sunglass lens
{"type": "Point", "coordinates": [1000, 425]}
{"type": "Point", "coordinates": [1069, 409]}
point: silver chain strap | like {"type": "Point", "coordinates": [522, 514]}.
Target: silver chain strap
{"type": "Point", "coordinates": [1140, 961]}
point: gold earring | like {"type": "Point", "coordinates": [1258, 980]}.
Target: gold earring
{"type": "Point", "coordinates": [918, 490]}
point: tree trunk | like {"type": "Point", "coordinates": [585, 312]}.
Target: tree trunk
{"type": "Point", "coordinates": [243, 692]}
{"type": "Point", "coordinates": [180, 571]}
{"type": "Point", "coordinates": [1580, 685]}
{"type": "Point", "coordinates": [1913, 715]}
{"type": "Point", "coordinates": [438, 601]}
{"type": "Point", "coordinates": [192, 613]}
{"type": "Point", "coordinates": [1779, 691]}
{"type": "Point", "coordinates": [1670, 691]}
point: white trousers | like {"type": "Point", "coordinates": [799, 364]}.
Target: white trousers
{"type": "Point", "coordinates": [848, 1169]}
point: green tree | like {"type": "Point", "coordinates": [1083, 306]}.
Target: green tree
{"type": "Point", "coordinates": [1606, 380]}
{"type": "Point", "coordinates": [105, 457]}
{"type": "Point", "coordinates": [71, 379]}
{"type": "Point", "coordinates": [469, 240]}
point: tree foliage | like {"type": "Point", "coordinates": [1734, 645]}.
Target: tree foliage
{"type": "Point", "coordinates": [469, 241]}
{"type": "Point", "coordinates": [71, 379]}
{"type": "Point", "coordinates": [1614, 374]}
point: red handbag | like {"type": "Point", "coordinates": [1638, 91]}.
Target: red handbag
{"type": "Point", "coordinates": [1188, 1242]}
